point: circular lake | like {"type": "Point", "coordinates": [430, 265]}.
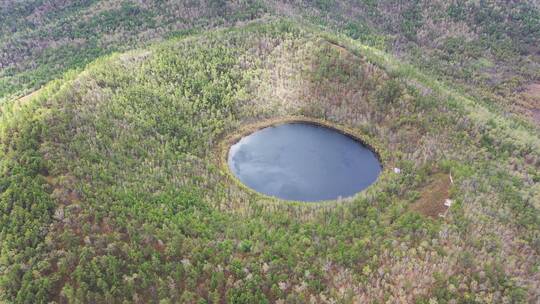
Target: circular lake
{"type": "Point", "coordinates": [303, 162]}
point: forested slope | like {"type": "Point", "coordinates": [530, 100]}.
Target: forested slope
{"type": "Point", "coordinates": [112, 186]}
{"type": "Point", "coordinates": [112, 189]}
{"type": "Point", "coordinates": [491, 48]}
{"type": "Point", "coordinates": [40, 40]}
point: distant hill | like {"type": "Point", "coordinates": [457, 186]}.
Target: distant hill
{"type": "Point", "coordinates": [492, 44]}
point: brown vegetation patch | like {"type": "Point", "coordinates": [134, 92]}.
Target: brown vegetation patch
{"type": "Point", "coordinates": [529, 100]}
{"type": "Point", "coordinates": [536, 116]}
{"type": "Point", "coordinates": [63, 189]}
{"type": "Point", "coordinates": [433, 196]}
{"type": "Point", "coordinates": [533, 90]}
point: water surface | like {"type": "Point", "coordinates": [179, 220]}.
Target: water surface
{"type": "Point", "coordinates": [303, 162]}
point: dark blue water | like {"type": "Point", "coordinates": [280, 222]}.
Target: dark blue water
{"type": "Point", "coordinates": [303, 162]}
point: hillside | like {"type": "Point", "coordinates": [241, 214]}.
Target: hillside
{"type": "Point", "coordinates": [489, 47]}
{"type": "Point", "coordinates": [113, 188]}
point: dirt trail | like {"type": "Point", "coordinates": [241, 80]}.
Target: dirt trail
{"type": "Point", "coordinates": [26, 98]}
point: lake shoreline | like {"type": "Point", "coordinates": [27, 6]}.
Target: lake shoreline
{"type": "Point", "coordinates": [236, 135]}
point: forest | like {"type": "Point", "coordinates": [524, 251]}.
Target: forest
{"type": "Point", "coordinates": [112, 187]}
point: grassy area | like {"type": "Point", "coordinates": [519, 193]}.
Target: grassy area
{"type": "Point", "coordinates": [433, 196]}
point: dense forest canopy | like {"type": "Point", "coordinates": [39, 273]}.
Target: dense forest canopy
{"type": "Point", "coordinates": [489, 43]}
{"type": "Point", "coordinates": [112, 187]}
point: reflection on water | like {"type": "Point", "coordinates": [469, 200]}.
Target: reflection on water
{"type": "Point", "coordinates": [303, 162]}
